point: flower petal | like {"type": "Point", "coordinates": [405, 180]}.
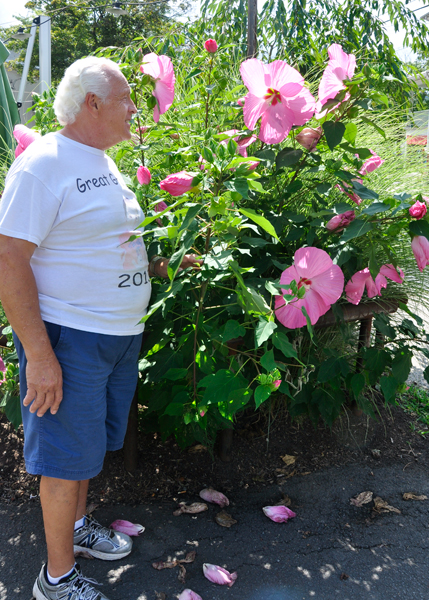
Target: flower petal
{"type": "Point", "coordinates": [253, 75]}
{"type": "Point", "coordinates": [278, 514]}
{"type": "Point", "coordinates": [218, 575]}
{"type": "Point", "coordinates": [356, 285]}
{"type": "Point", "coordinates": [189, 594]}
{"type": "Point", "coordinates": [390, 272]}
{"type": "Point", "coordinates": [283, 74]}
{"type": "Point", "coordinates": [311, 261]}
{"type": "Point", "coordinates": [254, 107]}
{"type": "Point", "coordinates": [329, 284]}
{"type": "Point", "coordinates": [420, 248]}
{"type": "Point", "coordinates": [211, 495]}
{"type": "Point", "coordinates": [277, 120]}
{"type": "Point", "coordinates": [303, 106]}
{"type": "Point", "coordinates": [127, 527]}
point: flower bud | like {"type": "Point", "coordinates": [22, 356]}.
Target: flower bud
{"type": "Point", "coordinates": [179, 183]}
{"type": "Point", "coordinates": [211, 46]}
{"type": "Point", "coordinates": [371, 164]}
{"type": "Point", "coordinates": [338, 222]}
{"type": "Point", "coordinates": [143, 175]}
{"type": "Point", "coordinates": [309, 137]}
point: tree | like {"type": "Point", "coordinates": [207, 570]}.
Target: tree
{"type": "Point", "coordinates": [79, 29]}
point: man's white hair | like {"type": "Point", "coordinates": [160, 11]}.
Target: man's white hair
{"type": "Point", "coordinates": [87, 75]}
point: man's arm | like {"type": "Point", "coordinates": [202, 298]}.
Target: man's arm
{"type": "Point", "coordinates": [19, 297]}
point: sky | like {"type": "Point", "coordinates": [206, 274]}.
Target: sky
{"type": "Point", "coordinates": [7, 11]}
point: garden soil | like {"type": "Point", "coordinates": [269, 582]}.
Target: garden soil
{"type": "Point", "coordinates": [336, 547]}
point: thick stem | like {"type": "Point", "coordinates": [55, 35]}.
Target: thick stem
{"type": "Point", "coordinates": [200, 309]}
{"type": "Point", "coordinates": [208, 93]}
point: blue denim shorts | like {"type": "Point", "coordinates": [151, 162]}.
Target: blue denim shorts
{"type": "Point", "coordinates": [99, 379]}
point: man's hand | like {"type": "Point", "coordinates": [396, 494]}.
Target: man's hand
{"type": "Point", "coordinates": [189, 260]}
{"type": "Point", "coordinates": [44, 385]}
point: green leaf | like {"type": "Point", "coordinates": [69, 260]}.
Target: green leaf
{"type": "Point", "coordinates": [357, 384]}
{"type": "Point", "coordinates": [334, 133]}
{"type": "Point", "coordinates": [233, 330]}
{"type": "Point", "coordinates": [175, 374]}
{"type": "Point", "coordinates": [281, 342]}
{"type": "Point", "coordinates": [268, 362]}
{"type": "Point", "coordinates": [190, 216]}
{"type": "Point", "coordinates": [12, 410]}
{"type": "Point", "coordinates": [420, 227]}
{"type": "Point", "coordinates": [239, 185]}
{"type": "Point", "coordinates": [176, 260]}
{"type": "Point", "coordinates": [382, 324]}
{"type": "Point", "coordinates": [288, 157]}
{"type": "Point", "coordinates": [376, 207]}
{"type": "Point", "coordinates": [350, 132]}
{"type": "Point", "coordinates": [331, 368]}
{"type": "Point", "coordinates": [376, 127]}
{"type": "Point", "coordinates": [219, 386]}
{"type": "Point", "coordinates": [259, 220]}
{"type": "Point", "coordinates": [237, 399]}
{"type": "Point", "coordinates": [375, 363]}
{"type": "Point", "coordinates": [388, 387]}
{"type": "Point", "coordinates": [262, 393]}
{"type": "Point", "coordinates": [401, 364]}
{"type": "Point", "coordinates": [426, 374]}
{"type": "Point", "coordinates": [175, 409]}
{"type": "Point", "coordinates": [356, 229]}
{"type": "Point", "coordinates": [264, 330]}
{"type": "Point", "coordinates": [308, 321]}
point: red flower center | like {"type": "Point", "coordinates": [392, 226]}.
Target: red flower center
{"type": "Point", "coordinates": [304, 282]}
{"type": "Point", "coordinates": [273, 95]}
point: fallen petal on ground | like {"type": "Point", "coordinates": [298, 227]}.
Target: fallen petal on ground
{"type": "Point", "coordinates": [224, 519]}
{"type": "Point", "coordinates": [195, 507]}
{"type": "Point", "coordinates": [219, 575]}
{"type": "Point", "coordinates": [127, 527]}
{"type": "Point", "coordinates": [362, 498]}
{"type": "Point", "coordinates": [211, 495]}
{"type": "Point", "coordinates": [411, 496]}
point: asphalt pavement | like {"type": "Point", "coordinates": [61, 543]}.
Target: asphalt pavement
{"type": "Point", "coordinates": [331, 550]}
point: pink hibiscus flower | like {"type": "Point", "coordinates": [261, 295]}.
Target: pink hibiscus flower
{"type": "Point", "coordinates": [362, 279]}
{"type": "Point", "coordinates": [24, 136]}
{"type": "Point", "coordinates": [323, 282]}
{"type": "Point", "coordinates": [418, 210]}
{"type": "Point", "coordinates": [371, 164]}
{"type": "Point", "coordinates": [341, 66]}
{"type": "Point", "coordinates": [277, 94]}
{"type": "Point", "coordinates": [160, 68]}
{"type": "Point", "coordinates": [338, 222]}
{"type": "Point", "coordinates": [420, 248]}
{"type": "Point", "coordinates": [179, 183]}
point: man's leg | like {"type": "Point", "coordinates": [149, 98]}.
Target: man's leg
{"type": "Point", "coordinates": [81, 502]}
{"type": "Point", "coordinates": [59, 499]}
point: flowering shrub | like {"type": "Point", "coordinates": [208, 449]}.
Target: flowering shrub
{"type": "Point", "coordinates": [267, 181]}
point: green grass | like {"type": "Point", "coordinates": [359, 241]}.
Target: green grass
{"type": "Point", "coordinates": [415, 401]}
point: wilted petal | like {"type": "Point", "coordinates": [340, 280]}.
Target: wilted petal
{"type": "Point", "coordinates": [189, 595]}
{"type": "Point", "coordinates": [390, 272]}
{"type": "Point", "coordinates": [279, 514]}
{"type": "Point", "coordinates": [127, 527]}
{"type": "Point", "coordinates": [219, 575]}
{"type": "Point", "coordinates": [211, 495]}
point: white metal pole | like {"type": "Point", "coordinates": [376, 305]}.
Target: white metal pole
{"type": "Point", "coordinates": [26, 67]}
{"type": "Point", "coordinates": [45, 52]}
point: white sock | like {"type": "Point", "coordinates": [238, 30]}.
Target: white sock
{"type": "Point", "coordinates": [56, 580]}
{"type": "Point", "coordinates": [79, 523]}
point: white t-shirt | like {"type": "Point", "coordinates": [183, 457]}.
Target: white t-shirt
{"type": "Point", "coordinates": [72, 202]}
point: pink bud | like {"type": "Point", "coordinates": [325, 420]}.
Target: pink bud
{"type": "Point", "coordinates": [211, 46]}
{"type": "Point", "coordinates": [252, 165]}
{"type": "Point", "coordinates": [143, 175]}
{"type": "Point", "coordinates": [418, 210]}
{"type": "Point", "coordinates": [371, 164]}
{"type": "Point", "coordinates": [2, 366]}
{"type": "Point", "coordinates": [189, 595]}
{"type": "Point", "coordinates": [219, 575]}
{"type": "Point", "coordinates": [159, 208]}
{"type": "Point", "coordinates": [127, 527]}
{"type": "Point", "coordinates": [211, 495]}
{"type": "Point", "coordinates": [240, 101]}
{"type": "Point", "coordinates": [277, 383]}
{"type": "Point", "coordinates": [420, 247]}
{"type": "Point", "coordinates": [144, 128]}
{"type": "Point", "coordinates": [338, 222]}
{"type": "Point", "coordinates": [179, 183]}
{"type": "Point", "coordinates": [309, 137]}
{"type": "Point", "coordinates": [278, 514]}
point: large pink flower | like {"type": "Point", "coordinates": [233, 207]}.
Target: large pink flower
{"type": "Point", "coordinates": [160, 68]}
{"type": "Point", "coordinates": [277, 94]}
{"type": "Point", "coordinates": [24, 136]}
{"type": "Point", "coordinates": [323, 282]}
{"type": "Point", "coordinates": [371, 164]}
{"type": "Point", "coordinates": [420, 247]}
{"type": "Point", "coordinates": [362, 279]}
{"type": "Point", "coordinates": [341, 66]}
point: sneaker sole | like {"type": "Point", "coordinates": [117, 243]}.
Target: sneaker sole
{"type": "Point", "coordinates": [37, 594]}
{"type": "Point", "coordinates": [97, 554]}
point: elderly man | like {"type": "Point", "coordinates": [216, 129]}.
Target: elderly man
{"type": "Point", "coordinates": [74, 292]}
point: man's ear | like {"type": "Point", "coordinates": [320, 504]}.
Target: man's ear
{"type": "Point", "coordinates": [92, 103]}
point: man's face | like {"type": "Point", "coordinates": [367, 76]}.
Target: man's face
{"type": "Point", "coordinates": [116, 112]}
